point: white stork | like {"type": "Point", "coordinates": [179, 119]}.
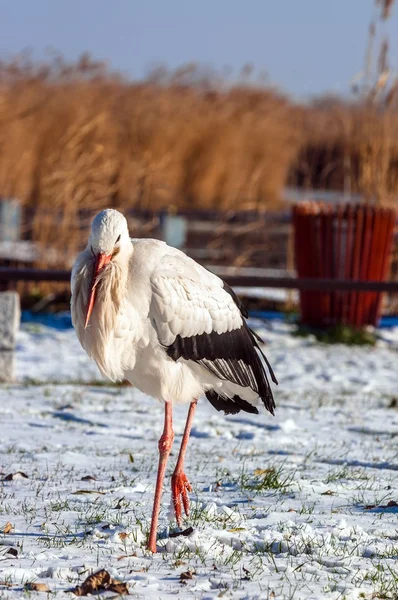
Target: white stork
{"type": "Point", "coordinates": [147, 313]}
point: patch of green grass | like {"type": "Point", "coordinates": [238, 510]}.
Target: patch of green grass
{"type": "Point", "coordinates": [389, 552]}
{"type": "Point", "coordinates": [264, 479]}
{"type": "Point", "coordinates": [339, 334]}
{"type": "Point", "coordinates": [59, 505]}
{"type": "Point", "coordinates": [347, 473]}
{"type": "Point", "coordinates": [384, 578]}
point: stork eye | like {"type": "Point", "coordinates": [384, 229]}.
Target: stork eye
{"type": "Point", "coordinates": [118, 239]}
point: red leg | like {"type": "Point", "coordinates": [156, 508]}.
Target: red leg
{"type": "Point", "coordinates": [180, 485]}
{"type": "Point", "coordinates": [165, 444]}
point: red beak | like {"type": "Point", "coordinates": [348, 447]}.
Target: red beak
{"type": "Point", "coordinates": [100, 262]}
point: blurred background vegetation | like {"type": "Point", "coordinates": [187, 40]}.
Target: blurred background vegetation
{"type": "Point", "coordinates": [77, 135]}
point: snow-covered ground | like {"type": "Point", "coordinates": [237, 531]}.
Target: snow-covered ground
{"type": "Point", "coordinates": [303, 505]}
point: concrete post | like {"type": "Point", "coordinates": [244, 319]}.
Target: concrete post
{"type": "Point", "coordinates": [10, 316]}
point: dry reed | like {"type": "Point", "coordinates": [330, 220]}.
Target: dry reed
{"type": "Point", "coordinates": [75, 138]}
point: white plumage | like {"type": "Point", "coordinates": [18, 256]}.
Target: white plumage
{"type": "Point", "coordinates": [148, 313]}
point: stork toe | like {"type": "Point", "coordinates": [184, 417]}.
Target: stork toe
{"type": "Point", "coordinates": [180, 487]}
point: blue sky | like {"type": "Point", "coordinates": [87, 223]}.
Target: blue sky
{"type": "Point", "coordinates": [305, 46]}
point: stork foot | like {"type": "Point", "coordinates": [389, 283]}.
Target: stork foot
{"type": "Point", "coordinates": [180, 487]}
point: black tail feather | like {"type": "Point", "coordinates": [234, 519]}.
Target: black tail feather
{"type": "Point", "coordinates": [233, 356]}
{"type": "Point", "coordinates": [255, 338]}
{"type": "Point", "coordinates": [230, 406]}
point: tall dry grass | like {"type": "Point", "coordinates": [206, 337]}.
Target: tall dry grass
{"type": "Point", "coordinates": [351, 147]}
{"type": "Point", "coordinates": [75, 138]}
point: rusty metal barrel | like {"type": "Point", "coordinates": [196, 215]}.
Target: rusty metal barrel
{"type": "Point", "coordinates": [346, 241]}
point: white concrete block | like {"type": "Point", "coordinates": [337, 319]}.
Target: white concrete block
{"type": "Point", "coordinates": [7, 365]}
{"type": "Point", "coordinates": [10, 316]}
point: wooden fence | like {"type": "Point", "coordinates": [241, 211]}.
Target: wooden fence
{"type": "Point", "coordinates": [217, 240]}
{"type": "Point", "coordinates": [238, 280]}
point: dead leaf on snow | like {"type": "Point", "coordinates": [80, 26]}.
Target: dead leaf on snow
{"type": "Point", "coordinates": [247, 575]}
{"type": "Point", "coordinates": [34, 586]}
{"type": "Point", "coordinates": [390, 504]}
{"type": "Point", "coordinates": [88, 478]}
{"type": "Point", "coordinates": [185, 532]}
{"type": "Point", "coordinates": [328, 493]}
{"type": "Point", "coordinates": [12, 552]}
{"type": "Point", "coordinates": [185, 575]}
{"type": "Point", "coordinates": [101, 581]}
{"type": "Point", "coordinates": [263, 471]}
{"type": "Point", "coordinates": [8, 527]}
{"type": "Point", "coordinates": [179, 563]}
{"type": "Point", "coordinates": [77, 492]}
{"type": "Point", "coordinates": [14, 476]}
{"type": "Point", "coordinates": [119, 587]}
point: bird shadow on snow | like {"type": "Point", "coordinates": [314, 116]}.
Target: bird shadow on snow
{"type": "Point", "coordinates": [196, 433]}
{"type": "Point", "coordinates": [245, 435]}
{"type": "Point", "coordinates": [39, 425]}
{"type": "Point", "coordinates": [241, 435]}
{"type": "Point", "coordinates": [130, 436]}
{"type": "Point", "coordinates": [100, 389]}
{"type": "Point", "coordinates": [259, 424]}
{"type": "Point", "coordinates": [368, 431]}
{"type": "Point", "coordinates": [379, 509]}
{"type": "Point", "coordinates": [341, 461]}
{"type": "Point", "coordinates": [68, 416]}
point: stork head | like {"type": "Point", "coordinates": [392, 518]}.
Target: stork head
{"type": "Point", "coordinates": [108, 238]}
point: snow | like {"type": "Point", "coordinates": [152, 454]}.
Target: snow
{"type": "Point", "coordinates": [302, 505]}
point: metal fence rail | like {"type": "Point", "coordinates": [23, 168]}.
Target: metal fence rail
{"type": "Point", "coordinates": [293, 283]}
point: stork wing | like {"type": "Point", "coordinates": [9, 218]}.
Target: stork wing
{"type": "Point", "coordinates": [198, 317]}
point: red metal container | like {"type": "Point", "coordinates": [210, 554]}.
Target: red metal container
{"type": "Point", "coordinates": [352, 242]}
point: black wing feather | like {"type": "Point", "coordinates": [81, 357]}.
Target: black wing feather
{"type": "Point", "coordinates": [230, 406]}
{"type": "Point", "coordinates": [238, 302]}
{"type": "Point", "coordinates": [231, 356]}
